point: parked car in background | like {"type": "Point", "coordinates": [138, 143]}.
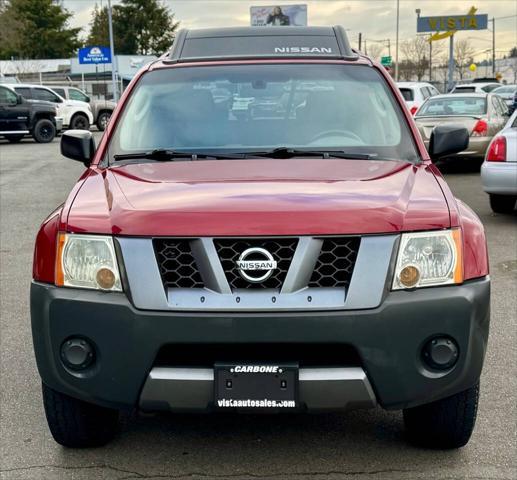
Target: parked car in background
{"type": "Point", "coordinates": [476, 87]}
{"type": "Point", "coordinates": [416, 93]}
{"type": "Point", "coordinates": [20, 117]}
{"type": "Point", "coordinates": [76, 115]}
{"type": "Point", "coordinates": [483, 114]}
{"type": "Point", "coordinates": [507, 93]}
{"type": "Point", "coordinates": [499, 170]}
{"type": "Point", "coordinates": [101, 109]}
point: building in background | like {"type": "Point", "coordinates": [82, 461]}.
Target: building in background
{"type": "Point", "coordinates": [94, 80]}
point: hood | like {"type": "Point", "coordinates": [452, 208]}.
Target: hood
{"type": "Point", "coordinates": [103, 103]}
{"type": "Point", "coordinates": [259, 197]}
{"type": "Point", "coordinates": [41, 103]}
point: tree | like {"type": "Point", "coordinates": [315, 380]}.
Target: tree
{"type": "Point", "coordinates": [36, 29]}
{"type": "Point", "coordinates": [415, 52]}
{"type": "Point", "coordinates": [375, 50]}
{"type": "Point", "coordinates": [139, 27]}
{"type": "Point", "coordinates": [513, 52]}
{"type": "Point", "coordinates": [463, 53]}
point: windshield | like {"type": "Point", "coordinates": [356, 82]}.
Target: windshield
{"type": "Point", "coordinates": [408, 94]}
{"type": "Point", "coordinates": [453, 106]}
{"type": "Point", "coordinates": [464, 90]}
{"type": "Point", "coordinates": [246, 108]}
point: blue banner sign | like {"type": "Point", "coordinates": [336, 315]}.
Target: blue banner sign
{"type": "Point", "coordinates": [452, 22]}
{"type": "Point", "coordinates": [94, 55]}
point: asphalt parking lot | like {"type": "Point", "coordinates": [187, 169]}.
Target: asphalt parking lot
{"type": "Point", "coordinates": [34, 179]}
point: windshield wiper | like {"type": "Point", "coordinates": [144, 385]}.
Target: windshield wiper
{"type": "Point", "coordinates": [284, 152]}
{"type": "Point", "coordinates": [164, 155]}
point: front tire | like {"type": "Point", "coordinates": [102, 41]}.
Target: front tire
{"type": "Point", "coordinates": [77, 424]}
{"type": "Point", "coordinates": [44, 131]}
{"type": "Point", "coordinates": [103, 120]}
{"type": "Point", "coordinates": [502, 203]}
{"type": "Point", "coordinates": [445, 424]}
{"type": "Point", "coordinates": [80, 122]}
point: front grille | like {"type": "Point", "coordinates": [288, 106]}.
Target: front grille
{"type": "Point", "coordinates": [335, 262]}
{"type": "Point", "coordinates": [176, 263]}
{"type": "Point", "coordinates": [229, 251]}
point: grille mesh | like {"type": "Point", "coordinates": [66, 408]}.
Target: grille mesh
{"type": "Point", "coordinates": [335, 263]}
{"type": "Point", "coordinates": [333, 268]}
{"type": "Point", "coordinates": [177, 265]}
{"type": "Point", "coordinates": [229, 251]}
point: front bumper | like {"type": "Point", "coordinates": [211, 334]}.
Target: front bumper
{"type": "Point", "coordinates": [499, 177]}
{"type": "Point", "coordinates": [59, 124]}
{"type": "Point", "coordinates": [388, 340]}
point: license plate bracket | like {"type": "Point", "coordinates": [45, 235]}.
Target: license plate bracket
{"type": "Point", "coordinates": [256, 386]}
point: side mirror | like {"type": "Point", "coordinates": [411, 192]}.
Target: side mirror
{"type": "Point", "coordinates": [88, 99]}
{"type": "Point", "coordinates": [19, 99]}
{"type": "Point", "coordinates": [78, 145]}
{"type": "Point", "coordinates": [448, 139]}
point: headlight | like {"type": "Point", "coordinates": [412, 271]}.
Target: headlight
{"type": "Point", "coordinates": [87, 261]}
{"type": "Point", "coordinates": [429, 258]}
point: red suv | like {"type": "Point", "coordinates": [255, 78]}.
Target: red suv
{"type": "Point", "coordinates": [261, 228]}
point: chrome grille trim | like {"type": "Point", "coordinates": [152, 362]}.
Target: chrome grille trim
{"type": "Point", "coordinates": [366, 289]}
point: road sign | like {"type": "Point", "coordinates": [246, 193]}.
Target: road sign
{"type": "Point", "coordinates": [386, 61]}
{"type": "Point", "coordinates": [452, 22]}
{"type": "Point", "coordinates": [94, 55]}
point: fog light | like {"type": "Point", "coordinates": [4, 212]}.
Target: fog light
{"type": "Point", "coordinates": [77, 353]}
{"type": "Point", "coordinates": [105, 278]}
{"type": "Point", "coordinates": [409, 276]}
{"type": "Point", "coordinates": [441, 353]}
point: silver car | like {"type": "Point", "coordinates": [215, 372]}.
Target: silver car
{"type": "Point", "coordinates": [499, 170]}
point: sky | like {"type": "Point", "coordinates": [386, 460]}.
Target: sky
{"type": "Point", "coordinates": [376, 19]}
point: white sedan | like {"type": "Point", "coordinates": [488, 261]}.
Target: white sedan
{"type": "Point", "coordinates": [499, 170]}
{"type": "Point", "coordinates": [416, 93]}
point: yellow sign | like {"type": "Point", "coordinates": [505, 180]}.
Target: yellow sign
{"type": "Point", "coordinates": [473, 67]}
{"type": "Point", "coordinates": [449, 24]}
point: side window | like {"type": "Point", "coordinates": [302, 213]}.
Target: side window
{"type": "Point", "coordinates": [7, 97]}
{"type": "Point", "coordinates": [77, 95]}
{"type": "Point", "coordinates": [426, 93]}
{"type": "Point", "coordinates": [43, 94]}
{"type": "Point", "coordinates": [60, 91]}
{"type": "Point", "coordinates": [495, 105]}
{"type": "Point", "coordinates": [504, 107]}
{"type": "Point", "coordinates": [25, 92]}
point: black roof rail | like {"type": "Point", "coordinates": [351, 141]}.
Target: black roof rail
{"type": "Point", "coordinates": [243, 43]}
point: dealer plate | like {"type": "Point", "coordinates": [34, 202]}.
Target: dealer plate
{"type": "Point", "coordinates": [256, 386]}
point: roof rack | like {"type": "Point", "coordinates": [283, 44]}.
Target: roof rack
{"type": "Point", "coordinates": [242, 43]}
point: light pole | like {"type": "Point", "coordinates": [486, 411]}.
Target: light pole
{"type": "Point", "coordinates": [493, 46]}
{"type": "Point", "coordinates": [397, 45]}
{"type": "Point", "coordinates": [113, 59]}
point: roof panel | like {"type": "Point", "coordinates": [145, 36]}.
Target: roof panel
{"type": "Point", "coordinates": [261, 42]}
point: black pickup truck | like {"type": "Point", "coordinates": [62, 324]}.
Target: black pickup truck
{"type": "Point", "coordinates": [20, 117]}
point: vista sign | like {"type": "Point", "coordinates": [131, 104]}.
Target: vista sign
{"type": "Point", "coordinates": [452, 22]}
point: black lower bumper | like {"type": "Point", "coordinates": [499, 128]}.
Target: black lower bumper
{"type": "Point", "coordinates": [388, 339]}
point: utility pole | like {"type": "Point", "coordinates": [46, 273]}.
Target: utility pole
{"type": "Point", "coordinates": [113, 60]}
{"type": "Point", "coordinates": [389, 47]}
{"type": "Point", "coordinates": [397, 45]}
{"type": "Point", "coordinates": [360, 39]}
{"type": "Point", "coordinates": [451, 64]}
{"type": "Point", "coordinates": [493, 46]}
{"type": "Point", "coordinates": [430, 59]}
